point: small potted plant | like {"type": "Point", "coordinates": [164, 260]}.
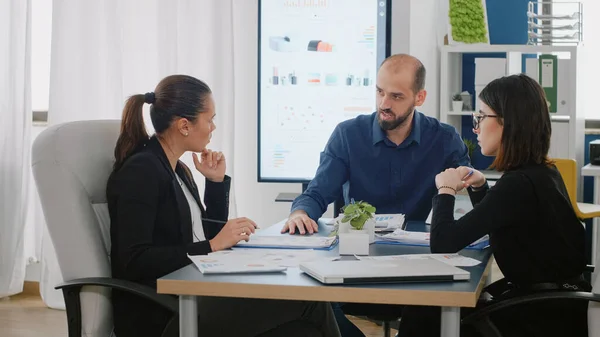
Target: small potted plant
{"type": "Point", "coordinates": [358, 220]}
{"type": "Point", "coordinates": [457, 103]}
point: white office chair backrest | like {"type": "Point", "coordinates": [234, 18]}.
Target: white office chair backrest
{"type": "Point", "coordinates": [71, 165]}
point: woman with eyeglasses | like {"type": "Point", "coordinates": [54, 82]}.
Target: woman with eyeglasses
{"type": "Point", "coordinates": [535, 236]}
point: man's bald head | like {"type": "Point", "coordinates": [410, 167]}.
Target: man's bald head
{"type": "Point", "coordinates": [402, 62]}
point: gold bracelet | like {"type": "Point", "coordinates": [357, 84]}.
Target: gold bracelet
{"type": "Point", "coordinates": [452, 188]}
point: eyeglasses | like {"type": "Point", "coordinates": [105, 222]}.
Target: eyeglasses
{"type": "Point", "coordinates": [478, 117]}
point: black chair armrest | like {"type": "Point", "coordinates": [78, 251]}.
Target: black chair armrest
{"type": "Point", "coordinates": [72, 288]}
{"type": "Point", "coordinates": [480, 318]}
{"type": "Point", "coordinates": [589, 268]}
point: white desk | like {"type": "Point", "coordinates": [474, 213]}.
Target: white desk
{"type": "Point", "coordinates": [188, 282]}
{"type": "Point", "coordinates": [590, 170]}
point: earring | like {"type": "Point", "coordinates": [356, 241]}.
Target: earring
{"type": "Point", "coordinates": [186, 134]}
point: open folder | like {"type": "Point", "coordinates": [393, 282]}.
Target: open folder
{"type": "Point", "coordinates": [289, 242]}
{"type": "Point", "coordinates": [407, 238]}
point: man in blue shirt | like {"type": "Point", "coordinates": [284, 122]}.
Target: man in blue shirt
{"type": "Point", "coordinates": [389, 158]}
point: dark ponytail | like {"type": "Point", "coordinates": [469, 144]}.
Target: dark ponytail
{"type": "Point", "coordinates": [133, 130]}
{"type": "Point", "coordinates": [175, 96]}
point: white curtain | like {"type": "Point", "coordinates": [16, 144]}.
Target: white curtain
{"type": "Point", "coordinates": [15, 128]}
{"type": "Point", "coordinates": [105, 51]}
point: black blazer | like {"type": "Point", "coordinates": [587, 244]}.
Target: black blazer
{"type": "Point", "coordinates": [151, 230]}
{"type": "Point", "coordinates": [535, 237]}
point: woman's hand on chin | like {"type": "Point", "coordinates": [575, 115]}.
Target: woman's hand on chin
{"type": "Point", "coordinates": [211, 164]}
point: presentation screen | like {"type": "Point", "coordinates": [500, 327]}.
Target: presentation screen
{"type": "Point", "coordinates": [317, 65]}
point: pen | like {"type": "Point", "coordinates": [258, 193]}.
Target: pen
{"type": "Point", "coordinates": [220, 221]}
{"type": "Point", "coordinates": [468, 174]}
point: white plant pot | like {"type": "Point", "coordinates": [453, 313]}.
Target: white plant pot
{"type": "Point", "coordinates": [344, 227]}
{"type": "Point", "coordinates": [370, 227]}
{"type": "Point", "coordinates": [457, 106]}
{"type": "Point", "coordinates": [354, 242]}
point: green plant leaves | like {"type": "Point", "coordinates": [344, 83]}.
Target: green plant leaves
{"type": "Point", "coordinates": [357, 213]}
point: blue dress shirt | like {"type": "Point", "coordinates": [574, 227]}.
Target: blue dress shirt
{"type": "Point", "coordinates": [362, 162]}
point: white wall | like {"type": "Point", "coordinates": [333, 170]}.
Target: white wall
{"type": "Point", "coordinates": [423, 44]}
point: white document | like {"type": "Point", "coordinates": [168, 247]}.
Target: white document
{"type": "Point", "coordinates": [400, 235]}
{"type": "Point", "coordinates": [288, 241]}
{"type": "Point", "coordinates": [281, 257]}
{"type": "Point", "coordinates": [462, 205]}
{"type": "Point", "coordinates": [389, 221]}
{"type": "Point", "coordinates": [382, 221]}
{"type": "Point", "coordinates": [215, 264]}
{"type": "Point", "coordinates": [451, 259]}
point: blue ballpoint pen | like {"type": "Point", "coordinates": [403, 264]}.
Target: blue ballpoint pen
{"type": "Point", "coordinates": [220, 221]}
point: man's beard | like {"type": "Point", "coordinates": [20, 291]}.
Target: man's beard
{"type": "Point", "coordinates": [397, 122]}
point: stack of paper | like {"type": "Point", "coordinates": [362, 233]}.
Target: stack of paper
{"type": "Point", "coordinates": [400, 236]}
{"type": "Point", "coordinates": [289, 241]}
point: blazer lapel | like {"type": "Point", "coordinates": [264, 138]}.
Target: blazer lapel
{"type": "Point", "coordinates": [186, 177]}
{"type": "Point", "coordinates": [182, 205]}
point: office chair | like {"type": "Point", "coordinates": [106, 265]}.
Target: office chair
{"type": "Point", "coordinates": [480, 319]}
{"type": "Point", "coordinates": [584, 211]}
{"type": "Point", "coordinates": [71, 164]}
{"type": "Point", "coordinates": [568, 171]}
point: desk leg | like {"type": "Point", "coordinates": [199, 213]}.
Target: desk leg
{"type": "Point", "coordinates": [450, 322]}
{"type": "Point", "coordinates": [188, 316]}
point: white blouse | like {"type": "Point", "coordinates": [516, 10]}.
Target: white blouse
{"type": "Point", "coordinates": [197, 228]}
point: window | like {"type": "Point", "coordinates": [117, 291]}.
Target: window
{"type": "Point", "coordinates": [41, 35]}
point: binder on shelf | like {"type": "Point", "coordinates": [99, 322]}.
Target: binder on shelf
{"type": "Point", "coordinates": [548, 78]}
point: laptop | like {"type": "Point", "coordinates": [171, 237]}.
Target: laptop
{"type": "Point", "coordinates": [373, 271]}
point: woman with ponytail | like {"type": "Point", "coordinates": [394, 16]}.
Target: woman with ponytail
{"type": "Point", "coordinates": [157, 219]}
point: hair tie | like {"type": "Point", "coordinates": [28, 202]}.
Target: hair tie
{"type": "Point", "coordinates": [149, 98]}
